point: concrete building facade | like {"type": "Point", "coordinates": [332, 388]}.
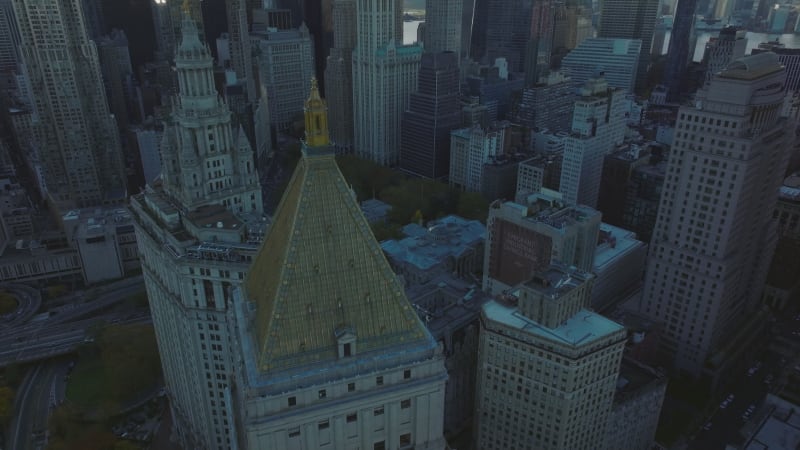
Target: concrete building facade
{"type": "Point", "coordinates": [709, 257]}
{"type": "Point", "coordinates": [384, 76]}
{"type": "Point", "coordinates": [433, 112]}
{"type": "Point", "coordinates": [524, 239]}
{"type": "Point", "coordinates": [339, 75]}
{"type": "Point", "coordinates": [74, 135]}
{"type": "Point", "coordinates": [547, 366]}
{"type": "Point", "coordinates": [613, 57]}
{"type": "Point", "coordinates": [197, 232]}
{"type": "Point", "coordinates": [598, 126]}
{"type": "Point", "coordinates": [285, 63]}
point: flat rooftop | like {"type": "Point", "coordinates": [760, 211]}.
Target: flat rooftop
{"type": "Point", "coordinates": [582, 329]}
{"type": "Point", "coordinates": [614, 243]}
{"type": "Point", "coordinates": [555, 281]}
{"type": "Point", "coordinates": [781, 431]}
{"type": "Point", "coordinates": [214, 216]}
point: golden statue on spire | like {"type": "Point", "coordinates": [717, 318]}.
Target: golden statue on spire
{"type": "Point", "coordinates": [316, 114]}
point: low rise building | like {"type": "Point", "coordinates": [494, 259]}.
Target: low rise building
{"type": "Point", "coordinates": [450, 309]}
{"type": "Point", "coordinates": [105, 240]}
{"type": "Point", "coordinates": [637, 406]}
{"type": "Point", "coordinates": [375, 210]}
{"type": "Point", "coordinates": [787, 210]}
{"type": "Point", "coordinates": [776, 426]}
{"type": "Point", "coordinates": [525, 238]}
{"type": "Point", "coordinates": [450, 245]}
{"type": "Point", "coordinates": [618, 265]}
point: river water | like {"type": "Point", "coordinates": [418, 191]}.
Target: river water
{"type": "Point", "coordinates": [753, 39]}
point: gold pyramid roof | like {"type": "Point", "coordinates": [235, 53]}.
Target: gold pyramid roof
{"type": "Point", "coordinates": [321, 273]}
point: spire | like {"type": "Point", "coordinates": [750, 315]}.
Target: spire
{"type": "Point", "coordinates": [316, 113]}
{"type": "Point", "coordinates": [190, 44]}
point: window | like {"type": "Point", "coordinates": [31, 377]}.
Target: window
{"type": "Point", "coordinates": [378, 411]}
{"type": "Point", "coordinates": [292, 401]}
{"type": "Point", "coordinates": [351, 387]}
{"type": "Point", "coordinates": [352, 417]}
{"type": "Point", "coordinates": [323, 425]}
{"type": "Point", "coordinates": [405, 439]}
{"type": "Point", "coordinates": [405, 404]}
{"type": "Point", "coordinates": [379, 445]}
{"type": "Point", "coordinates": [347, 349]}
{"type": "Point", "coordinates": [379, 381]}
{"type": "Point", "coordinates": [294, 432]}
{"type": "Point", "coordinates": [407, 374]}
{"type": "Point", "coordinates": [322, 393]}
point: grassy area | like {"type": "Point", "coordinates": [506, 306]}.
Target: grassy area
{"type": "Point", "coordinates": [88, 385]}
{"type": "Point", "coordinates": [138, 300]}
{"type": "Point", "coordinates": [8, 303]}
{"type": "Point", "coordinates": [120, 366]}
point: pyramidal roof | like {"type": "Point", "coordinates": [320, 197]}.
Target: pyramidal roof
{"type": "Point", "coordinates": [321, 274]}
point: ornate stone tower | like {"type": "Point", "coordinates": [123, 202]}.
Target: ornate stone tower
{"type": "Point", "coordinates": [197, 231]}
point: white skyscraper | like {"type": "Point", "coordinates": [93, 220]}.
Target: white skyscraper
{"type": "Point", "coordinates": [443, 26]}
{"type": "Point", "coordinates": [714, 235]}
{"type": "Point", "coordinates": [598, 126]}
{"type": "Point", "coordinates": [384, 76]}
{"type": "Point", "coordinates": [197, 232]}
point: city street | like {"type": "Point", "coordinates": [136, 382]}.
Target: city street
{"type": "Point", "coordinates": [726, 423]}
{"type": "Point", "coordinates": [41, 390]}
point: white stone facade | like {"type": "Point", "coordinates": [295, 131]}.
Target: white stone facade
{"type": "Point", "coordinates": [715, 234]}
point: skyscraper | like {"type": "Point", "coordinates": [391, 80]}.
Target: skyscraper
{"type": "Point", "coordinates": [434, 111]}
{"type": "Point", "coordinates": [74, 136]}
{"type": "Point", "coordinates": [339, 75]}
{"type": "Point", "coordinates": [547, 365]}
{"type": "Point", "coordinates": [239, 43]}
{"type": "Point", "coordinates": [715, 234]}
{"type": "Point", "coordinates": [332, 353]}
{"type": "Point", "coordinates": [285, 61]}
{"type": "Point", "coordinates": [729, 46]}
{"type": "Point", "coordinates": [540, 42]}
{"type": "Point", "coordinates": [680, 50]}
{"type": "Point", "coordinates": [598, 126]}
{"type": "Point", "coordinates": [508, 30]}
{"type": "Point", "coordinates": [197, 233]}
{"type": "Point", "coordinates": [630, 19]}
{"type": "Point", "coordinates": [9, 39]}
{"type": "Point", "coordinates": [618, 59]}
{"type": "Point", "coordinates": [384, 75]}
{"type": "Point", "coordinates": [443, 26]}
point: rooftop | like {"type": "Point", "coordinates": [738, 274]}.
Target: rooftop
{"type": "Point", "coordinates": [634, 376]}
{"type": "Point", "coordinates": [214, 216]}
{"type": "Point", "coordinates": [752, 67]}
{"type": "Point", "coordinates": [581, 329]}
{"type": "Point", "coordinates": [791, 188]}
{"type": "Point", "coordinates": [780, 431]}
{"type": "Point", "coordinates": [425, 248]}
{"type": "Point", "coordinates": [556, 281]}
{"type": "Point", "coordinates": [446, 303]}
{"type": "Point", "coordinates": [613, 242]}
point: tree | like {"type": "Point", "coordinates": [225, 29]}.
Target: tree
{"type": "Point", "coordinates": [125, 445]}
{"type": "Point", "coordinates": [6, 404]}
{"type": "Point", "coordinates": [472, 205]}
